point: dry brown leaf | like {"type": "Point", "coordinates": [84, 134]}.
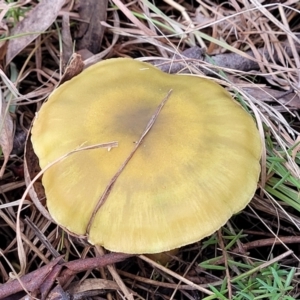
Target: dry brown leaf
{"type": "Point", "coordinates": [31, 169]}
{"type": "Point", "coordinates": [74, 68]}
{"type": "Point", "coordinates": [37, 21]}
{"type": "Point", "coordinates": [6, 133]}
{"type": "Point", "coordinates": [289, 99]}
{"type": "Point", "coordinates": [92, 284]}
{"type": "Point", "coordinates": [90, 31]}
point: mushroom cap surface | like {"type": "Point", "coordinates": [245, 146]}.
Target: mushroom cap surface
{"type": "Point", "coordinates": [196, 167]}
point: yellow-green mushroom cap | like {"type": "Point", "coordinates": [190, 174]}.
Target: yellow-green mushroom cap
{"type": "Point", "coordinates": [196, 167]}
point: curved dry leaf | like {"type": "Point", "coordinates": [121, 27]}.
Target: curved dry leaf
{"type": "Point", "coordinates": [6, 133]}
{"type": "Point", "coordinates": [92, 284]}
{"type": "Point", "coordinates": [74, 67]}
{"type": "Point", "coordinates": [37, 21]}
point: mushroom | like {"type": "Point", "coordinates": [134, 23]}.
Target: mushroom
{"type": "Point", "coordinates": [187, 156]}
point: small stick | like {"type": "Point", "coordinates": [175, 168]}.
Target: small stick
{"type": "Point", "coordinates": [116, 276]}
{"type": "Point", "coordinates": [175, 275]}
